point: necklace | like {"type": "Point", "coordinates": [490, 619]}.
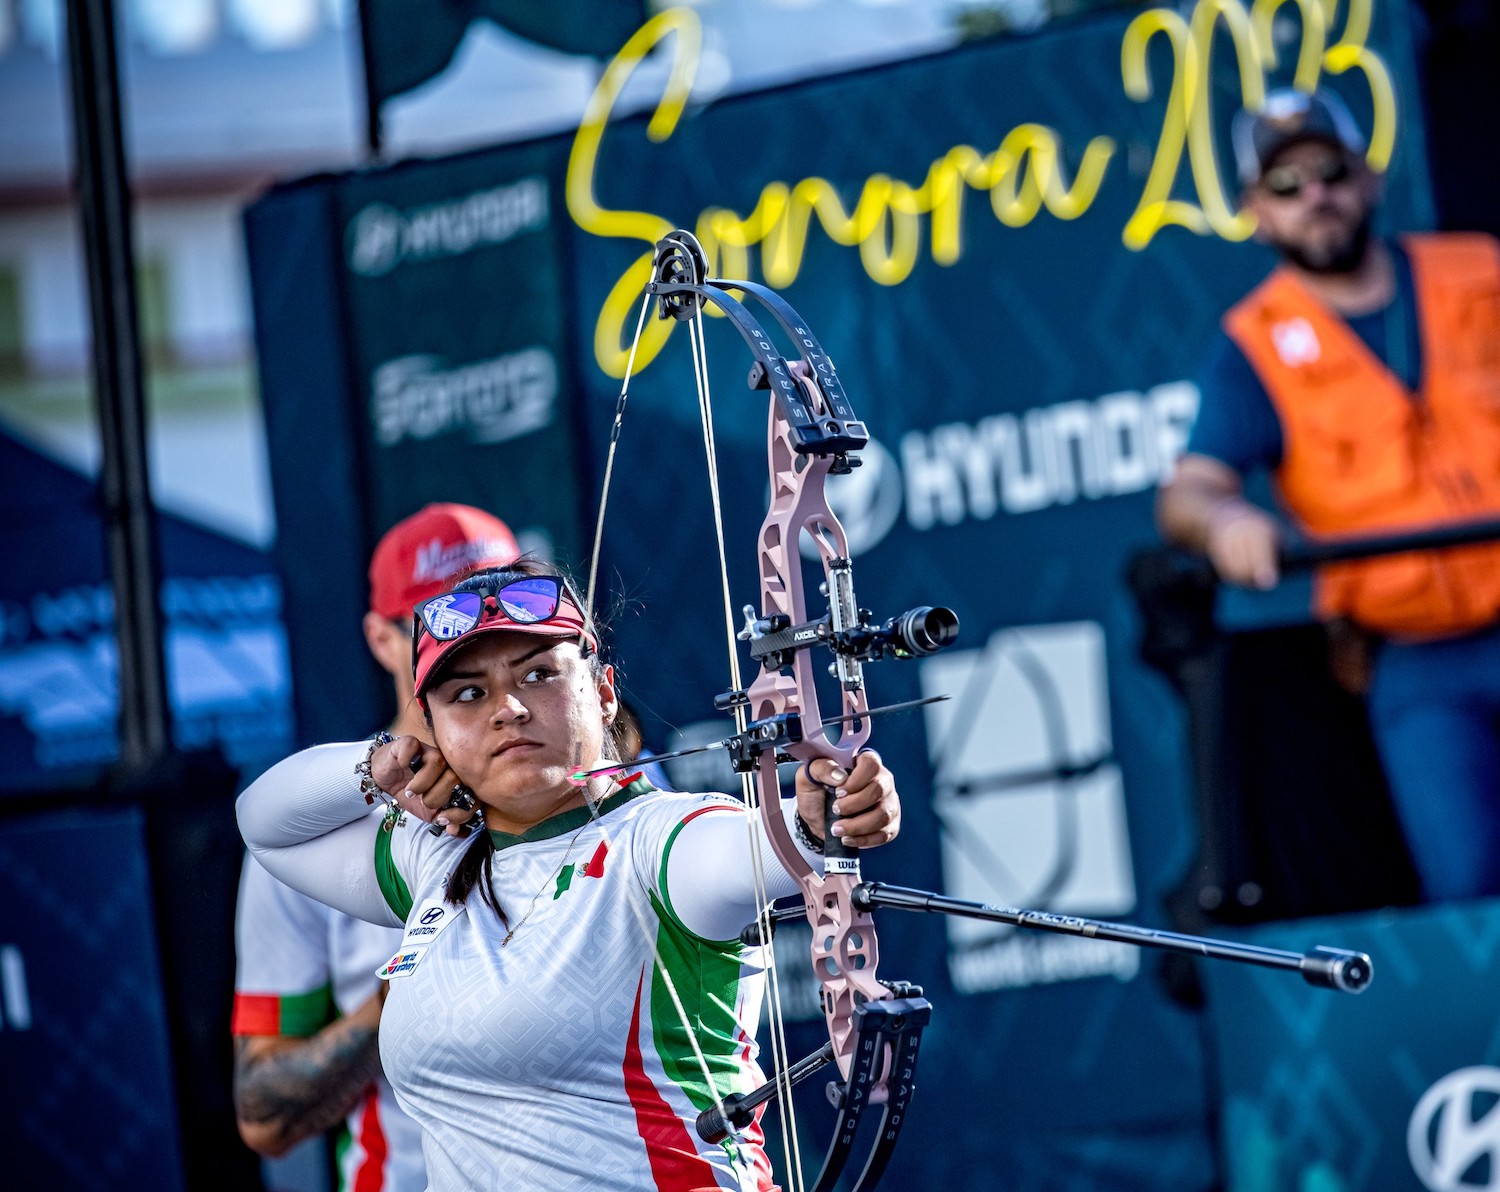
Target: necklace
{"type": "Point", "coordinates": [551, 880]}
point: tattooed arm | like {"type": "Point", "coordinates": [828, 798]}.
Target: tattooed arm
{"type": "Point", "coordinates": [286, 1090]}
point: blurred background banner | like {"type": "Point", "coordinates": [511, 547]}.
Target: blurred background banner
{"type": "Point", "coordinates": [1381, 1095]}
{"type": "Point", "coordinates": [443, 371]}
{"type": "Point", "coordinates": [1022, 356]}
{"type": "Point", "coordinates": [463, 369]}
{"type": "Point", "coordinates": [225, 645]}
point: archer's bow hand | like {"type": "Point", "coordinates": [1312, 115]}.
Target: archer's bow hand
{"type": "Point", "coordinates": [867, 803]}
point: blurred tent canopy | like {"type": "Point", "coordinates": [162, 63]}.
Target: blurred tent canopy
{"type": "Point", "coordinates": [407, 42]}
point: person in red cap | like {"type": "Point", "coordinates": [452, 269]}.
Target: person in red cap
{"type": "Point", "coordinates": [307, 1002]}
{"type": "Point", "coordinates": [571, 989]}
{"type": "Point", "coordinates": [418, 558]}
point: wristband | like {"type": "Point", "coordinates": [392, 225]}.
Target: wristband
{"type": "Point", "coordinates": [367, 784]}
{"type": "Point", "coordinates": [804, 835]}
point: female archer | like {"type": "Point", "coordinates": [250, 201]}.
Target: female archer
{"type": "Point", "coordinates": [571, 990]}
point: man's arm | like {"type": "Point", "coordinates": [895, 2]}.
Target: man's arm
{"type": "Point", "coordinates": [288, 1089]}
{"type": "Point", "coordinates": [1203, 508]}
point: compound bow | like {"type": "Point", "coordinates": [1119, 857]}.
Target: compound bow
{"type": "Point", "coordinates": [874, 1025]}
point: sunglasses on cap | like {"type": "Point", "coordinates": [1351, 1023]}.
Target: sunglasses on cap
{"type": "Point", "coordinates": [1286, 182]}
{"type": "Point", "coordinates": [520, 604]}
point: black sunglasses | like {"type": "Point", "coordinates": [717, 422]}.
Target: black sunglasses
{"type": "Point", "coordinates": [1286, 182]}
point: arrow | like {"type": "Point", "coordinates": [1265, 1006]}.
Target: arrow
{"type": "Point", "coordinates": [581, 776]}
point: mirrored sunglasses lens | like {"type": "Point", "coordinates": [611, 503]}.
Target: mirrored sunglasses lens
{"type": "Point", "coordinates": [1334, 172]}
{"type": "Point", "coordinates": [527, 601]}
{"type": "Point", "coordinates": [1284, 183]}
{"type": "Point", "coordinates": [451, 614]}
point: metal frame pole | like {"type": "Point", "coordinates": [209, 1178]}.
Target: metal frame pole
{"type": "Point", "coordinates": [125, 492]}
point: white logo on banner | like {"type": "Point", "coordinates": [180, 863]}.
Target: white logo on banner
{"type": "Point", "coordinates": [1453, 1138]}
{"type": "Point", "coordinates": [379, 237]}
{"type": "Point", "coordinates": [491, 400]}
{"type": "Point", "coordinates": [1113, 446]}
{"type": "Point", "coordinates": [1030, 801]}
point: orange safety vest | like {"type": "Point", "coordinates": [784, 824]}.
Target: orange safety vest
{"type": "Point", "coordinates": [1362, 453]}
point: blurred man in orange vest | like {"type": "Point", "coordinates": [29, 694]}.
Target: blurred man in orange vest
{"type": "Point", "coordinates": [1364, 375]}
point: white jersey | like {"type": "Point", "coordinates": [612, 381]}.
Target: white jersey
{"type": "Point", "coordinates": [301, 965]}
{"type": "Point", "coordinates": [544, 1052]}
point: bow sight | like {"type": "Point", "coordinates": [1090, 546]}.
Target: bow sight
{"type": "Point", "coordinates": [913, 634]}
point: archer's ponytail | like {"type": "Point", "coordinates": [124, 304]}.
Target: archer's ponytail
{"type": "Point", "coordinates": [473, 869]}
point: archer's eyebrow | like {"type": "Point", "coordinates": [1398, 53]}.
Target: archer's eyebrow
{"type": "Point", "coordinates": [550, 644]}
{"type": "Point", "coordinates": [517, 661]}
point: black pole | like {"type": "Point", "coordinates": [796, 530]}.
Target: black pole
{"type": "Point", "coordinates": [373, 129]}
{"type": "Point", "coordinates": [1297, 553]}
{"type": "Point", "coordinates": [125, 491]}
{"type": "Point", "coordinates": [1313, 552]}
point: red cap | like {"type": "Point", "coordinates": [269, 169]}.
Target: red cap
{"type": "Point", "coordinates": [427, 552]}
{"type": "Point", "coordinates": [490, 617]}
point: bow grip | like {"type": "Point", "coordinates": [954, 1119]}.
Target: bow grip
{"type": "Point", "coordinates": [838, 857]}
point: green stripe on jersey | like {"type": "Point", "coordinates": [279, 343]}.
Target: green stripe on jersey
{"type": "Point", "coordinates": [706, 976]}
{"type": "Point", "coordinates": [661, 879]}
{"type": "Point", "coordinates": [392, 884]}
{"type": "Point", "coordinates": [304, 1014]}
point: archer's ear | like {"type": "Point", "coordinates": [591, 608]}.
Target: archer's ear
{"type": "Point", "coordinates": [389, 643]}
{"type": "Point", "coordinates": [609, 698]}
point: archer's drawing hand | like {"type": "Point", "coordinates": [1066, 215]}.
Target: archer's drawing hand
{"type": "Point", "coordinates": [418, 777]}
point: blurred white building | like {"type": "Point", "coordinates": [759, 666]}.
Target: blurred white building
{"type": "Point", "coordinates": [224, 96]}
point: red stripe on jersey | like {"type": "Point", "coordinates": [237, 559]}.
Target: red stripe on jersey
{"type": "Point", "coordinates": [754, 1137]}
{"type": "Point", "coordinates": [755, 1143]}
{"type": "Point", "coordinates": [256, 1014]}
{"type": "Point", "coordinates": [676, 1165]}
{"type": "Point", "coordinates": [692, 815]}
{"type": "Point", "coordinates": [371, 1174]}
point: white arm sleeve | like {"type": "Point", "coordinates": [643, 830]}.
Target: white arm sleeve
{"type": "Point", "coordinates": [307, 823]}
{"type": "Point", "coordinates": [710, 876]}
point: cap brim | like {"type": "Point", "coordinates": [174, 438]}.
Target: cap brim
{"type": "Point", "coordinates": [430, 661]}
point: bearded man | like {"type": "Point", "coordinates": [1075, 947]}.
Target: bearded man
{"type": "Point", "coordinates": [1364, 376]}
